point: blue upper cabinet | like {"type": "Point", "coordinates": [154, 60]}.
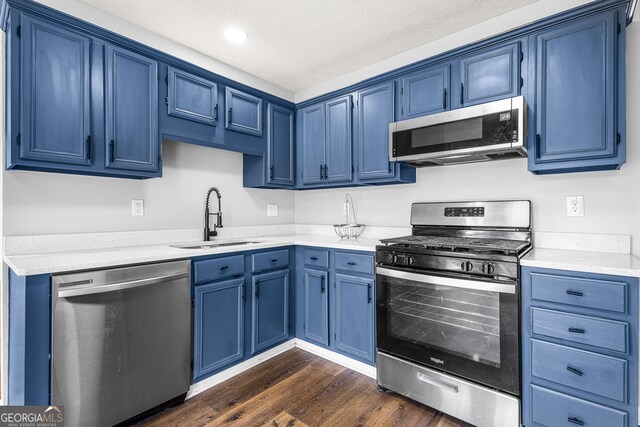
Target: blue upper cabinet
{"type": "Point", "coordinates": [490, 75]}
{"type": "Point", "coordinates": [339, 165]}
{"type": "Point", "coordinates": [375, 112]}
{"type": "Point", "coordinates": [270, 309]}
{"type": "Point", "coordinates": [55, 95]}
{"type": "Point", "coordinates": [424, 92]}
{"type": "Point", "coordinates": [192, 97]}
{"type": "Point", "coordinates": [131, 111]}
{"type": "Point", "coordinates": [577, 73]}
{"type": "Point", "coordinates": [312, 141]}
{"type": "Point", "coordinates": [316, 306]}
{"type": "Point", "coordinates": [280, 146]}
{"type": "Point", "coordinates": [354, 316]}
{"type": "Point", "coordinates": [244, 112]}
{"type": "Point", "coordinates": [218, 325]}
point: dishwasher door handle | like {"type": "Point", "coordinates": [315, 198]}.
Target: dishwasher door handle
{"type": "Point", "coordinates": [100, 289]}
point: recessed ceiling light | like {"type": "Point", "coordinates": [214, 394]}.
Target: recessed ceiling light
{"type": "Point", "coordinates": [235, 35]}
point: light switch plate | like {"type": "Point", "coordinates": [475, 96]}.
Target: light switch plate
{"type": "Point", "coordinates": [137, 207]}
{"type": "Point", "coordinates": [272, 210]}
{"type": "Point", "coordinates": [575, 205]}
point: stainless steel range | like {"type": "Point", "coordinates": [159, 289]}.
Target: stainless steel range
{"type": "Point", "coordinates": [448, 311]}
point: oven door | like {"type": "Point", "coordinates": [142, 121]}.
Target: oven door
{"type": "Point", "coordinates": [467, 327]}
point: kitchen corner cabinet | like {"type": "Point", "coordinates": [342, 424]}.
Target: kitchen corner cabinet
{"type": "Point", "coordinates": [578, 118]}
{"type": "Point", "coordinates": [326, 142]}
{"type": "Point", "coordinates": [579, 349]}
{"type": "Point", "coordinates": [335, 301]}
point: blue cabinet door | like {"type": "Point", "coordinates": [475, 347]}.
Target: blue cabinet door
{"type": "Point", "coordinates": [375, 112]}
{"type": "Point", "coordinates": [316, 306]}
{"type": "Point", "coordinates": [280, 148]}
{"type": "Point", "coordinates": [575, 94]}
{"type": "Point", "coordinates": [244, 112]}
{"type": "Point", "coordinates": [312, 135]}
{"type": "Point", "coordinates": [490, 75]}
{"type": "Point", "coordinates": [55, 93]}
{"type": "Point", "coordinates": [218, 325]}
{"type": "Point", "coordinates": [339, 166]}
{"type": "Point", "coordinates": [131, 111]}
{"type": "Point", "coordinates": [354, 316]}
{"type": "Point", "coordinates": [192, 97]}
{"type": "Point", "coordinates": [270, 310]}
{"type": "Point", "coordinates": [425, 92]}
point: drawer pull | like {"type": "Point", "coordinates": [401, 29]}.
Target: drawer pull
{"type": "Point", "coordinates": [351, 263]}
{"type": "Point", "coordinates": [313, 258]}
{"type": "Point", "coordinates": [274, 260]}
{"type": "Point", "coordinates": [437, 382]}
{"type": "Point", "coordinates": [573, 370]}
{"type": "Point", "coordinates": [574, 420]}
{"type": "Point", "coordinates": [224, 267]}
{"type": "Point", "coordinates": [575, 293]}
{"type": "Point", "coordinates": [576, 330]}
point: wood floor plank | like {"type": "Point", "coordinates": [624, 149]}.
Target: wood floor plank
{"type": "Point", "coordinates": [298, 389]}
{"type": "Point", "coordinates": [284, 419]}
{"type": "Point", "coordinates": [301, 385]}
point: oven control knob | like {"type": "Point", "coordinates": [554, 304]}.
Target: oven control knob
{"type": "Point", "coordinates": [466, 266]}
{"type": "Point", "coordinates": [488, 268]}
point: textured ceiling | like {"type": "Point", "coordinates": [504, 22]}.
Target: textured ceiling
{"type": "Point", "coordinates": [299, 43]}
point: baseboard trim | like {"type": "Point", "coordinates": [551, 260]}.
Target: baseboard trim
{"type": "Point", "coordinates": [338, 358]}
{"type": "Point", "coordinates": [220, 377]}
{"type": "Point", "coordinates": [332, 356]}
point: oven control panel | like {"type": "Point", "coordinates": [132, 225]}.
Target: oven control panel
{"type": "Point", "coordinates": [464, 212]}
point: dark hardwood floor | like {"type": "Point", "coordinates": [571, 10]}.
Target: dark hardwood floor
{"type": "Point", "coordinates": [297, 388]}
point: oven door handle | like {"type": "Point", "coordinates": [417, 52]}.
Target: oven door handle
{"type": "Point", "coordinates": [503, 288]}
{"type": "Point", "coordinates": [437, 382]}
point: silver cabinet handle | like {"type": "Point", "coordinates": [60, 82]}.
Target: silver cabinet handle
{"type": "Point", "coordinates": [437, 382]}
{"type": "Point", "coordinates": [88, 290]}
{"type": "Point", "coordinates": [505, 288]}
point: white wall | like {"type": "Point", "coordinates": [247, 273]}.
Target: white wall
{"type": "Point", "coordinates": [45, 203]}
{"type": "Point", "coordinates": [612, 199]}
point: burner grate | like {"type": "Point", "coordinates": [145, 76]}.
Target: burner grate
{"type": "Point", "coordinates": [458, 243]}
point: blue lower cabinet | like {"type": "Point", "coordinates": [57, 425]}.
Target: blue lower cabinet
{"type": "Point", "coordinates": [218, 325]}
{"type": "Point", "coordinates": [354, 315]}
{"type": "Point", "coordinates": [270, 309]}
{"type": "Point", "coordinates": [579, 352]}
{"type": "Point", "coordinates": [316, 306]}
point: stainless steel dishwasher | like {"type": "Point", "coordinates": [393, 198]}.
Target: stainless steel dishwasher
{"type": "Point", "coordinates": [121, 341]}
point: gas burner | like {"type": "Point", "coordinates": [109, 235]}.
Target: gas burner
{"type": "Point", "coordinates": [459, 244]}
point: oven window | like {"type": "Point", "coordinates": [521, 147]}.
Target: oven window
{"type": "Point", "coordinates": [459, 321]}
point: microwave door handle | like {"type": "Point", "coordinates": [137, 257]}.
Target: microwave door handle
{"type": "Point", "coordinates": [503, 288]}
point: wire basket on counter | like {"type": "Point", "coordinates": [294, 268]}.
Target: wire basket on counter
{"type": "Point", "coordinates": [348, 231]}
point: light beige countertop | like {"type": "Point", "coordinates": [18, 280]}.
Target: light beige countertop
{"type": "Point", "coordinates": [65, 261]}
{"type": "Point", "coordinates": [589, 262]}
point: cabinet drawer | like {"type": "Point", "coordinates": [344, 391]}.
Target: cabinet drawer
{"type": "Point", "coordinates": [270, 260]}
{"type": "Point", "coordinates": [354, 262]}
{"type": "Point", "coordinates": [583, 370]}
{"type": "Point", "coordinates": [553, 409]}
{"type": "Point", "coordinates": [214, 269]}
{"type": "Point", "coordinates": [602, 333]}
{"type": "Point", "coordinates": [316, 258]}
{"type": "Point", "coordinates": [590, 293]}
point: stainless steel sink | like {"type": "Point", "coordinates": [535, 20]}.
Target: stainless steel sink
{"type": "Point", "coordinates": [205, 245]}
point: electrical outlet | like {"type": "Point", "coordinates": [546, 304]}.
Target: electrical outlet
{"type": "Point", "coordinates": [575, 205]}
{"type": "Point", "coordinates": [137, 207]}
{"type": "Point", "coordinates": [272, 210]}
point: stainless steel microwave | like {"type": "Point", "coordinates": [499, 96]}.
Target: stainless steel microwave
{"type": "Point", "coordinates": [491, 131]}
